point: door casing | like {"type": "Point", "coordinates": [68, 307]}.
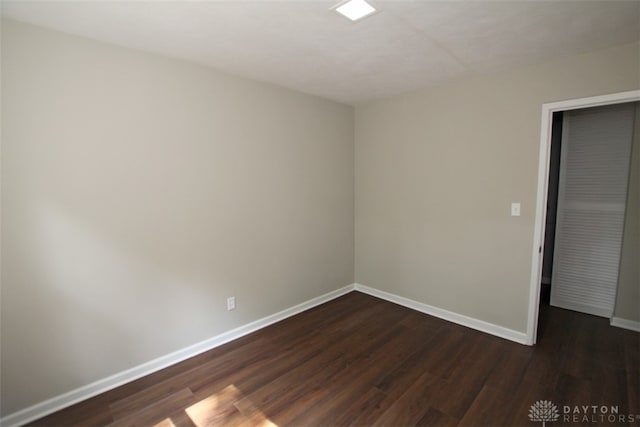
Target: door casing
{"type": "Point", "coordinates": [543, 182]}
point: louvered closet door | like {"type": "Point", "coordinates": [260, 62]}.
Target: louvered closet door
{"type": "Point", "coordinates": [592, 193]}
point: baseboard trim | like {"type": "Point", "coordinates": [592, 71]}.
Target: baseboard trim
{"type": "Point", "coordinates": [62, 401]}
{"type": "Point", "coordinates": [618, 322]}
{"type": "Point", "coordinates": [470, 322]}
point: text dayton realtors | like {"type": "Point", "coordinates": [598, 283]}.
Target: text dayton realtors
{"type": "Point", "coordinates": [596, 414]}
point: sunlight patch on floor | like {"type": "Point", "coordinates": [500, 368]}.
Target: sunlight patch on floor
{"type": "Point", "coordinates": [167, 422]}
{"type": "Point", "coordinates": [220, 409]}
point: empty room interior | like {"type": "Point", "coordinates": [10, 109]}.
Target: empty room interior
{"type": "Point", "coordinates": [311, 213]}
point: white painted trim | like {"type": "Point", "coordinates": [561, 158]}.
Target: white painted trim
{"type": "Point", "coordinates": [541, 200]}
{"type": "Point", "coordinates": [632, 325]}
{"type": "Point", "coordinates": [595, 101]}
{"type": "Point", "coordinates": [57, 403]}
{"type": "Point", "coordinates": [450, 316]}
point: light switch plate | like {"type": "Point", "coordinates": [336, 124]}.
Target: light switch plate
{"type": "Point", "coordinates": [515, 209]}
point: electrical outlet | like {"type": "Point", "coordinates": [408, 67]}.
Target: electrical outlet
{"type": "Point", "coordinates": [231, 303]}
{"type": "Point", "coordinates": [515, 209]}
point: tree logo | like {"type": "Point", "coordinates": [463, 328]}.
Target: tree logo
{"type": "Point", "coordinates": [544, 410]}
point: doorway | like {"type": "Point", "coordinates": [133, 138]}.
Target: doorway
{"type": "Point", "coordinates": [544, 182]}
{"type": "Point", "coordinates": [552, 207]}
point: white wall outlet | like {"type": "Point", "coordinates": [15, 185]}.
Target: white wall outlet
{"type": "Point", "coordinates": [231, 303]}
{"type": "Point", "coordinates": [515, 209]}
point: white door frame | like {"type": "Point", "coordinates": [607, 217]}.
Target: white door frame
{"type": "Point", "coordinates": [543, 183]}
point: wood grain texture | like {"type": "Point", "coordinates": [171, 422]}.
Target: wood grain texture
{"type": "Point", "coordinates": [359, 361]}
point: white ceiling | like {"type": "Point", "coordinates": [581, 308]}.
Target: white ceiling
{"type": "Point", "coordinates": [303, 45]}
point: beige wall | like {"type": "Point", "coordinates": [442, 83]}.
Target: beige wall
{"type": "Point", "coordinates": [628, 296]}
{"type": "Point", "coordinates": [437, 170]}
{"type": "Point", "coordinates": [139, 192]}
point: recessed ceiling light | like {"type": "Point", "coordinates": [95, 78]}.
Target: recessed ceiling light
{"type": "Point", "coordinates": [355, 9]}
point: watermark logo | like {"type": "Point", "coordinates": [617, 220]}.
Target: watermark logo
{"type": "Point", "coordinates": [544, 410]}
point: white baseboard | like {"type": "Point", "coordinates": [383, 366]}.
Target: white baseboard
{"type": "Point", "coordinates": [632, 325]}
{"type": "Point", "coordinates": [470, 322]}
{"type": "Point", "coordinates": [62, 401]}
{"type": "Point", "coordinates": [85, 392]}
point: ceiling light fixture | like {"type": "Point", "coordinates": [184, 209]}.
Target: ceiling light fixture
{"type": "Point", "coordinates": [355, 9]}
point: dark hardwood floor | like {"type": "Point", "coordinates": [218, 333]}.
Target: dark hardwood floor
{"type": "Point", "coordinates": [358, 360]}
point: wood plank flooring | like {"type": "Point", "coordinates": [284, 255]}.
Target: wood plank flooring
{"type": "Point", "coordinates": [360, 361]}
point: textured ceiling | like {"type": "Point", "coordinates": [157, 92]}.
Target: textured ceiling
{"type": "Point", "coordinates": [303, 45]}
